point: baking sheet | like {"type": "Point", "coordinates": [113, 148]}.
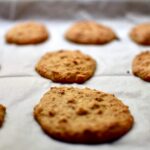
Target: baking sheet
{"type": "Point", "coordinates": [21, 87]}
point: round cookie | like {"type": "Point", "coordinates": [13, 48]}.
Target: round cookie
{"type": "Point", "coordinates": [141, 34]}
{"type": "Point", "coordinates": [27, 33]}
{"type": "Point", "coordinates": [66, 66]}
{"type": "Point", "coordinates": [82, 115]}
{"type": "Point", "coordinates": [88, 32]}
{"type": "Point", "coordinates": [2, 114]}
{"type": "Point", "coordinates": [141, 66]}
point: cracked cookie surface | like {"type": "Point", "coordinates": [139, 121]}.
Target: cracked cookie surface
{"type": "Point", "coordinates": [27, 33]}
{"type": "Point", "coordinates": [89, 32]}
{"type": "Point", "coordinates": [82, 115]}
{"type": "Point", "coordinates": [66, 66]}
{"type": "Point", "coordinates": [141, 66]}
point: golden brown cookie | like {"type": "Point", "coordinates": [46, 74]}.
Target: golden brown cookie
{"type": "Point", "coordinates": [82, 115]}
{"type": "Point", "coordinates": [27, 33]}
{"type": "Point", "coordinates": [2, 114]}
{"type": "Point", "coordinates": [141, 66]}
{"type": "Point", "coordinates": [88, 32]}
{"type": "Point", "coordinates": [66, 66]}
{"type": "Point", "coordinates": [141, 34]}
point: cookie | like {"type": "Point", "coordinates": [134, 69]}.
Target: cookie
{"type": "Point", "coordinates": [2, 114]}
{"type": "Point", "coordinates": [27, 33]}
{"type": "Point", "coordinates": [88, 32]}
{"type": "Point", "coordinates": [141, 34]}
{"type": "Point", "coordinates": [141, 66]}
{"type": "Point", "coordinates": [66, 66]}
{"type": "Point", "coordinates": [82, 115]}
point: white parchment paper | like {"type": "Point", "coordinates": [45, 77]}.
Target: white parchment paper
{"type": "Point", "coordinates": [21, 87]}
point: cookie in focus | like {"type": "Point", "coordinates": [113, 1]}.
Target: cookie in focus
{"type": "Point", "coordinates": [66, 66]}
{"type": "Point", "coordinates": [82, 115]}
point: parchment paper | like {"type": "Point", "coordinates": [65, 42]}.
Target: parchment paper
{"type": "Point", "coordinates": [21, 87]}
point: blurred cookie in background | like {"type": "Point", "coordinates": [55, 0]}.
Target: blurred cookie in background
{"type": "Point", "coordinates": [2, 114]}
{"type": "Point", "coordinates": [27, 33]}
{"type": "Point", "coordinates": [89, 32]}
{"type": "Point", "coordinates": [141, 34]}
